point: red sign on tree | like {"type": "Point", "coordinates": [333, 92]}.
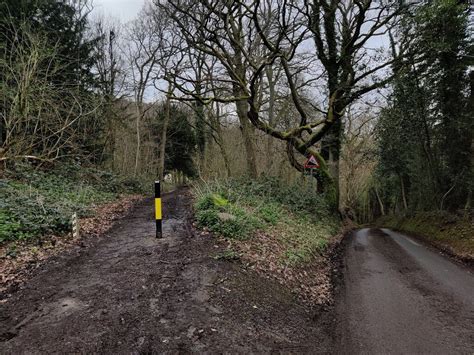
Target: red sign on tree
{"type": "Point", "coordinates": [311, 163]}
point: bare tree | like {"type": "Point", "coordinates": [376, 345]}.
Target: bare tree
{"type": "Point", "coordinates": [142, 52]}
{"type": "Point", "coordinates": [335, 35]}
{"type": "Point", "coordinates": [170, 56]}
{"type": "Point", "coordinates": [42, 117]}
{"type": "Point", "coordinates": [110, 70]}
{"type": "Point", "coordinates": [358, 159]}
{"type": "Point", "coordinates": [234, 46]}
{"type": "Point", "coordinates": [109, 62]}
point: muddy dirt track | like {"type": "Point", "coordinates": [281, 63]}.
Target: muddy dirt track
{"type": "Point", "coordinates": [400, 297]}
{"type": "Point", "coordinates": [131, 293]}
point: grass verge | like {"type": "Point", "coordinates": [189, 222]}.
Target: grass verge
{"type": "Point", "coordinates": [450, 232]}
{"type": "Point", "coordinates": [300, 219]}
{"type": "Point", "coordinates": [281, 231]}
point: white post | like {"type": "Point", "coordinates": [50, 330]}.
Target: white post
{"type": "Point", "coordinates": [75, 225]}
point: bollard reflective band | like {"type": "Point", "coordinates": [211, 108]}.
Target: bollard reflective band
{"type": "Point", "coordinates": [157, 208]}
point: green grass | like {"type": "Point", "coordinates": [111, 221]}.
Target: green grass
{"type": "Point", "coordinates": [306, 238]}
{"type": "Point", "coordinates": [36, 202]}
{"type": "Point", "coordinates": [301, 219]}
{"type": "Point", "coordinates": [240, 226]}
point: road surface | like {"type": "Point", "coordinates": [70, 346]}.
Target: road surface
{"type": "Point", "coordinates": [400, 297]}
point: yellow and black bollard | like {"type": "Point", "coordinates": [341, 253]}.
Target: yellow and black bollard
{"type": "Point", "coordinates": [158, 215]}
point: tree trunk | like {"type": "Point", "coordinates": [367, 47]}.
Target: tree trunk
{"type": "Point", "coordinates": [137, 127]}
{"type": "Point", "coordinates": [216, 123]}
{"type": "Point", "coordinates": [164, 132]}
{"type": "Point", "coordinates": [330, 151]}
{"type": "Point", "coordinates": [225, 157]}
{"type": "Point", "coordinates": [470, 176]}
{"type": "Point", "coordinates": [404, 198]}
{"type": "Point", "coordinates": [247, 135]}
{"type": "Point", "coordinates": [271, 117]}
{"type": "Point", "coordinates": [242, 106]}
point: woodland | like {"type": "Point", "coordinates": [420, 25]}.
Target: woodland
{"type": "Point", "coordinates": [380, 92]}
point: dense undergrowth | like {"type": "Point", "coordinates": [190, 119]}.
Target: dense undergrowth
{"type": "Point", "coordinates": [35, 202]}
{"type": "Point", "coordinates": [453, 232]}
{"type": "Point", "coordinates": [300, 218]}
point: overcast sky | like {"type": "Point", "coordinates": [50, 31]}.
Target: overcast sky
{"type": "Point", "coordinates": [125, 10]}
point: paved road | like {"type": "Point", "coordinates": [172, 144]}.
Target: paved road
{"type": "Point", "coordinates": [400, 297]}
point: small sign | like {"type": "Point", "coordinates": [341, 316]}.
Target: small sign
{"type": "Point", "coordinates": [311, 163]}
